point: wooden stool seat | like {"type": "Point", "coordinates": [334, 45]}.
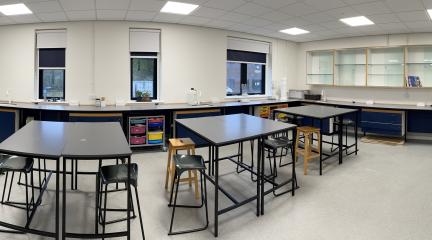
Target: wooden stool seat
{"type": "Point", "coordinates": [177, 144]}
{"type": "Point", "coordinates": [309, 151]}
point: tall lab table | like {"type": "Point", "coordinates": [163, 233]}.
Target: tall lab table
{"type": "Point", "coordinates": [96, 141]}
{"type": "Point", "coordinates": [224, 130]}
{"type": "Point", "coordinates": [322, 113]}
{"type": "Point", "coordinates": [39, 140]}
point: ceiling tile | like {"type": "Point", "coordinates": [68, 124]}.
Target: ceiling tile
{"type": "Point", "coordinates": [333, 24]}
{"type": "Point", "coordinates": [146, 5]}
{"type": "Point", "coordinates": [140, 15]}
{"type": "Point", "coordinates": [413, 16]}
{"type": "Point", "coordinates": [235, 17]}
{"type": "Point", "coordinates": [112, 4]}
{"type": "Point", "coordinates": [342, 12]}
{"type": "Point", "coordinates": [296, 22]}
{"type": "Point", "coordinates": [81, 15]}
{"type": "Point", "coordinates": [371, 8]}
{"type": "Point", "coordinates": [419, 25]}
{"type": "Point", "coordinates": [276, 16]}
{"type": "Point", "coordinates": [314, 28]}
{"type": "Point", "coordinates": [110, 14]}
{"type": "Point", "coordinates": [25, 18]}
{"type": "Point", "coordinates": [44, 7]}
{"type": "Point", "coordinates": [240, 27]}
{"type": "Point", "coordinates": [224, 4]}
{"type": "Point", "coordinates": [393, 26]}
{"type": "Point", "coordinates": [5, 21]}
{"type": "Point", "coordinates": [404, 5]}
{"type": "Point", "coordinates": [208, 12]}
{"type": "Point", "coordinates": [258, 22]}
{"type": "Point", "coordinates": [299, 9]}
{"type": "Point", "coordinates": [325, 5]}
{"type": "Point", "coordinates": [275, 4]}
{"type": "Point", "coordinates": [219, 23]}
{"type": "Point", "coordinates": [384, 18]}
{"type": "Point", "coordinates": [277, 27]}
{"type": "Point", "coordinates": [352, 2]}
{"type": "Point", "coordinates": [52, 17]}
{"type": "Point", "coordinates": [76, 5]}
{"type": "Point", "coordinates": [252, 9]}
{"type": "Point", "coordinates": [194, 20]}
{"type": "Point", "coordinates": [427, 4]}
{"type": "Point", "coordinates": [167, 17]}
{"type": "Point", "coordinates": [318, 18]}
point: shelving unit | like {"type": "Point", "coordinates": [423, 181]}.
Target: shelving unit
{"type": "Point", "coordinates": [350, 67]}
{"type": "Point", "coordinates": [320, 67]}
{"type": "Point", "coordinates": [419, 64]}
{"type": "Point", "coordinates": [146, 131]}
{"type": "Point", "coordinates": [386, 67]}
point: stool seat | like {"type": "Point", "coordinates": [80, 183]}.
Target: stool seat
{"type": "Point", "coordinates": [181, 142]}
{"type": "Point", "coordinates": [118, 174]}
{"type": "Point", "coordinates": [308, 129]}
{"type": "Point", "coordinates": [277, 143]}
{"type": "Point", "coordinates": [16, 163]}
{"type": "Point", "coordinates": [189, 162]}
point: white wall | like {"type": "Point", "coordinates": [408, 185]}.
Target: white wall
{"type": "Point", "coordinates": [364, 93]}
{"type": "Point", "coordinates": [97, 60]}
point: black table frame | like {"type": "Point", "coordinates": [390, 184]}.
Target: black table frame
{"type": "Point", "coordinates": [341, 147]}
{"type": "Point", "coordinates": [22, 230]}
{"type": "Point", "coordinates": [213, 174]}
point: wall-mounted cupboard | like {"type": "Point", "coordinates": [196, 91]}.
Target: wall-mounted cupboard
{"type": "Point", "coordinates": [320, 67]}
{"type": "Point", "coordinates": [398, 67]}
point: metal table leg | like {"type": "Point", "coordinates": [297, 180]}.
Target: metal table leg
{"type": "Point", "coordinates": [57, 221]}
{"type": "Point", "coordinates": [128, 197]}
{"type": "Point", "coordinates": [340, 137]}
{"type": "Point", "coordinates": [321, 150]}
{"type": "Point", "coordinates": [216, 205]}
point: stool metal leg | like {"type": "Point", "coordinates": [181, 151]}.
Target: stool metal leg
{"type": "Point", "coordinates": [139, 212]}
{"type": "Point", "coordinates": [4, 188]}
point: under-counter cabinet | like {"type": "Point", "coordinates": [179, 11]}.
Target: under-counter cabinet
{"type": "Point", "coordinates": [383, 122]}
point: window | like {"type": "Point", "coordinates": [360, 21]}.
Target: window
{"type": "Point", "coordinates": [246, 73]}
{"type": "Point", "coordinates": [144, 74]}
{"type": "Point", "coordinates": [51, 72]}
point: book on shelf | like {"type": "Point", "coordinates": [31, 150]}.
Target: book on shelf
{"type": "Point", "coordinates": [414, 81]}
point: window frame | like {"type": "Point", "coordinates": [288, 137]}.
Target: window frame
{"type": "Point", "coordinates": [39, 76]}
{"type": "Point", "coordinates": [244, 80]}
{"type": "Point", "coordinates": [146, 55]}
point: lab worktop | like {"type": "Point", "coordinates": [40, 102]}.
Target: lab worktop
{"type": "Point", "coordinates": [183, 106]}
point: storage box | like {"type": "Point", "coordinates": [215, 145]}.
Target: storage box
{"type": "Point", "coordinates": [155, 136]}
{"type": "Point", "coordinates": [312, 97]}
{"type": "Point", "coordinates": [137, 140]}
{"type": "Point", "coordinates": [138, 129]}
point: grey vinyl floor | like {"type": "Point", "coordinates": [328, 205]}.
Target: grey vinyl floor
{"type": "Point", "coordinates": [385, 192]}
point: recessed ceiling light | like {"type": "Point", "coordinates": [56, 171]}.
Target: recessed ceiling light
{"type": "Point", "coordinates": [357, 21]}
{"type": "Point", "coordinates": [430, 13]}
{"type": "Point", "coordinates": [15, 9]}
{"type": "Point", "coordinates": [178, 8]}
{"type": "Point", "coordinates": [294, 31]}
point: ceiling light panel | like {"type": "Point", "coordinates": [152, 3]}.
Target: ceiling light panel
{"type": "Point", "coordinates": [294, 31]}
{"type": "Point", "coordinates": [15, 9]}
{"type": "Point", "coordinates": [357, 21]}
{"type": "Point", "coordinates": [178, 8]}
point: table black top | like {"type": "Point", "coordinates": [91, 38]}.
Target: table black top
{"type": "Point", "coordinates": [96, 140]}
{"type": "Point", "coordinates": [38, 139]}
{"type": "Point", "coordinates": [316, 111]}
{"type": "Point", "coordinates": [227, 129]}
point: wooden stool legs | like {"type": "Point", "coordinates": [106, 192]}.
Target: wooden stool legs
{"type": "Point", "coordinates": [308, 151]}
{"type": "Point", "coordinates": [170, 171]}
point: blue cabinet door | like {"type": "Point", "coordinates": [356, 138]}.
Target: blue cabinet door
{"type": "Point", "coordinates": [8, 120]}
{"type": "Point", "coordinates": [383, 122]}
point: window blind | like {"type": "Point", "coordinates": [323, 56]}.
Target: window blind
{"type": "Point", "coordinates": [247, 45]}
{"type": "Point", "coordinates": [144, 40]}
{"type": "Point", "coordinates": [51, 39]}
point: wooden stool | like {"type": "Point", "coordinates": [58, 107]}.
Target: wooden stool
{"type": "Point", "coordinates": [176, 144]}
{"type": "Point", "coordinates": [309, 152]}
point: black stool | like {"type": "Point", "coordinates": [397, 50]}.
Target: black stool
{"type": "Point", "coordinates": [345, 124]}
{"type": "Point", "coordinates": [115, 174]}
{"type": "Point", "coordinates": [271, 146]}
{"type": "Point", "coordinates": [183, 164]}
{"type": "Point", "coordinates": [22, 165]}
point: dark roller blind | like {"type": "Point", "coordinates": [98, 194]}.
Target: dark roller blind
{"type": "Point", "coordinates": [52, 57]}
{"type": "Point", "coordinates": [244, 56]}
